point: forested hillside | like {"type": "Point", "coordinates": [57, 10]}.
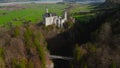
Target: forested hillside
{"type": "Point", "coordinates": [23, 47]}
{"type": "Point", "coordinates": [98, 40]}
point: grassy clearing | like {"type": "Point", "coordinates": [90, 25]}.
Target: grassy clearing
{"type": "Point", "coordinates": [83, 7]}
{"type": "Point", "coordinates": [32, 13]}
{"type": "Point", "coordinates": [83, 17]}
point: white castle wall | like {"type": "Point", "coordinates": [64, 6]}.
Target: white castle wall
{"type": "Point", "coordinates": [57, 20]}
{"type": "Point", "coordinates": [47, 21]}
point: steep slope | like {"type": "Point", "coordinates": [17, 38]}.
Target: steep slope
{"type": "Point", "coordinates": [23, 47]}
{"type": "Point", "coordinates": [101, 49]}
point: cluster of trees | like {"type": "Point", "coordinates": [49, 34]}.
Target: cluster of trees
{"type": "Point", "coordinates": [23, 47]}
{"type": "Point", "coordinates": [98, 41]}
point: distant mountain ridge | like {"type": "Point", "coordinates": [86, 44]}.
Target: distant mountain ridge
{"type": "Point", "coordinates": [113, 1]}
{"type": "Point", "coordinates": [44, 0]}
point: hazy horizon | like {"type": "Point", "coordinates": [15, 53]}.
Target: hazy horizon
{"type": "Point", "coordinates": [48, 0]}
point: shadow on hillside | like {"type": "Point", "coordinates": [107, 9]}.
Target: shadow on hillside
{"type": "Point", "coordinates": [81, 32]}
{"type": "Point", "coordinates": [63, 43]}
{"type": "Point", "coordinates": [59, 45]}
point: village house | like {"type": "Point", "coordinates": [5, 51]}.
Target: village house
{"type": "Point", "coordinates": [52, 18]}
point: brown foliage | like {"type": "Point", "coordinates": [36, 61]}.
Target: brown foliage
{"type": "Point", "coordinates": [16, 52]}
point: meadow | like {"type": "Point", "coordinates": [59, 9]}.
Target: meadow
{"type": "Point", "coordinates": [81, 12]}
{"type": "Point", "coordinates": [31, 12]}
{"type": "Point", "coordinates": [84, 18]}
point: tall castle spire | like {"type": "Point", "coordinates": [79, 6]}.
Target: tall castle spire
{"type": "Point", "coordinates": [65, 15]}
{"type": "Point", "coordinates": [47, 10]}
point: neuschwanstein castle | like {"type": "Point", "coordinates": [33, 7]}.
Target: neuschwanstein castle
{"type": "Point", "coordinates": [52, 18]}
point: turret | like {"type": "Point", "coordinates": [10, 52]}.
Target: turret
{"type": "Point", "coordinates": [47, 10]}
{"type": "Point", "coordinates": [65, 15]}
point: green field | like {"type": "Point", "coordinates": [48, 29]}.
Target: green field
{"type": "Point", "coordinates": [32, 13]}
{"type": "Point", "coordinates": [84, 18]}
{"type": "Point", "coordinates": [83, 8]}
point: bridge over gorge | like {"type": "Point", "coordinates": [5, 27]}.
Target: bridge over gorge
{"type": "Point", "coordinates": [61, 57]}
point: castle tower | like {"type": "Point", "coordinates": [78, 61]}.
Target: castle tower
{"type": "Point", "coordinates": [47, 10]}
{"type": "Point", "coordinates": [65, 15]}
